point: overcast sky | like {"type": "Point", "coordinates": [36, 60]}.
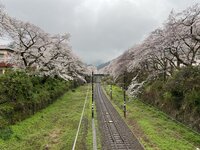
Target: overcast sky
{"type": "Point", "coordinates": [100, 29]}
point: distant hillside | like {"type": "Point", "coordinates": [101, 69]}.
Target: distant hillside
{"type": "Point", "coordinates": [102, 65]}
{"type": "Point", "coordinates": [124, 62]}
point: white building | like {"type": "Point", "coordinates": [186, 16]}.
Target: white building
{"type": "Point", "coordinates": [5, 58]}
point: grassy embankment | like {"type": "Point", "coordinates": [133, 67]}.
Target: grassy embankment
{"type": "Point", "coordinates": [154, 129]}
{"type": "Point", "coordinates": [55, 126]}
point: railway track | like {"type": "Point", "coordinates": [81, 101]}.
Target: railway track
{"type": "Point", "coordinates": [115, 133]}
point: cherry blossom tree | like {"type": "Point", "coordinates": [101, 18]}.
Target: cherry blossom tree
{"type": "Point", "coordinates": [182, 34]}
{"type": "Point", "coordinates": [36, 50]}
{"type": "Point", "coordinates": [175, 44]}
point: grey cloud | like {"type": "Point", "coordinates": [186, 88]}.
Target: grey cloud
{"type": "Point", "coordinates": [100, 29]}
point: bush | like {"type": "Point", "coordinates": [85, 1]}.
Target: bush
{"type": "Point", "coordinates": [192, 100]}
{"type": "Point", "coordinates": [15, 87]}
{"type": "Point", "coordinates": [22, 95]}
{"type": "Point", "coordinates": [184, 86]}
{"type": "Point", "coordinates": [5, 133]}
{"type": "Point", "coordinates": [153, 92]}
{"type": "Point", "coordinates": [179, 96]}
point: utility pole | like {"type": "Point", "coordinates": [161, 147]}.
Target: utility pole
{"type": "Point", "coordinates": [111, 91]}
{"type": "Point", "coordinates": [165, 66]}
{"type": "Point", "coordinates": [92, 94]}
{"type": "Point", "coordinates": [124, 94]}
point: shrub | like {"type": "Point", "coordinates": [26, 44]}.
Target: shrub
{"type": "Point", "coordinates": [179, 96]}
{"type": "Point", "coordinates": [184, 86]}
{"type": "Point", "coordinates": [15, 87]}
{"type": "Point", "coordinates": [192, 100]}
{"type": "Point", "coordinates": [5, 133]}
{"type": "Point", "coordinates": [22, 95]}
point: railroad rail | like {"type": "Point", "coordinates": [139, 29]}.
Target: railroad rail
{"type": "Point", "coordinates": [115, 133]}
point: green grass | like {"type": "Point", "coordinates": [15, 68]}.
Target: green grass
{"type": "Point", "coordinates": [98, 134]}
{"type": "Point", "coordinates": [54, 127]}
{"type": "Point", "coordinates": [85, 140]}
{"type": "Point", "coordinates": [153, 128]}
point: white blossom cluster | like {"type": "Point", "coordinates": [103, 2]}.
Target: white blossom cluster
{"type": "Point", "coordinates": [34, 49]}
{"type": "Point", "coordinates": [175, 44]}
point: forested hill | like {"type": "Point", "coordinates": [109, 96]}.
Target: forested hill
{"type": "Point", "coordinates": [103, 65]}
